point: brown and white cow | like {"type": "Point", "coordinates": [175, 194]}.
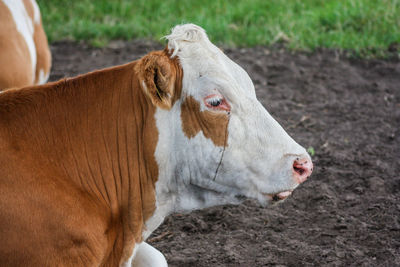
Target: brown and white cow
{"type": "Point", "coordinates": [90, 166]}
{"type": "Point", "coordinates": [24, 53]}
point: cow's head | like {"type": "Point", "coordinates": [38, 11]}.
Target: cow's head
{"type": "Point", "coordinates": [216, 142]}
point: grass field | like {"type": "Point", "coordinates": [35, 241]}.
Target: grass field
{"type": "Point", "coordinates": [367, 27]}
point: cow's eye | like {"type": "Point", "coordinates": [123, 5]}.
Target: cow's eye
{"type": "Point", "coordinates": [214, 102]}
{"type": "Point", "coordinates": [217, 101]}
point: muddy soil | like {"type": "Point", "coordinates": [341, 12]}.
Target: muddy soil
{"type": "Point", "coordinates": [347, 213]}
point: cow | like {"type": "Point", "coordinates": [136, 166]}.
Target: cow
{"type": "Point", "coordinates": [90, 166]}
{"type": "Point", "coordinates": [24, 52]}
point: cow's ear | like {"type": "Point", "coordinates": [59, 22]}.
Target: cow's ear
{"type": "Point", "coordinates": [157, 74]}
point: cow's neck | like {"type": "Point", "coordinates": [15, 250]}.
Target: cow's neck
{"type": "Point", "coordinates": [98, 132]}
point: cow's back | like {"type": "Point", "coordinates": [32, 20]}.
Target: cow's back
{"type": "Point", "coordinates": [24, 53]}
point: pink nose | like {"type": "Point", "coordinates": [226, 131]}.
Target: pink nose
{"type": "Point", "coordinates": [302, 169]}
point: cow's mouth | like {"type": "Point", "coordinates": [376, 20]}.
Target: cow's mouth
{"type": "Point", "coordinates": [279, 196]}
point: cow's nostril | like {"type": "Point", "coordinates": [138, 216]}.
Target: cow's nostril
{"type": "Point", "coordinates": [298, 170]}
{"type": "Point", "coordinates": [302, 169]}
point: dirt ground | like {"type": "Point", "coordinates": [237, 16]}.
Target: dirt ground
{"type": "Point", "coordinates": [347, 213]}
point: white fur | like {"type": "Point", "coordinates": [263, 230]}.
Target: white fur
{"type": "Point", "coordinates": [148, 256]}
{"type": "Point", "coordinates": [24, 26]}
{"type": "Point", "coordinates": [43, 77]}
{"type": "Point", "coordinates": [259, 157]}
{"type": "Point", "coordinates": [36, 12]}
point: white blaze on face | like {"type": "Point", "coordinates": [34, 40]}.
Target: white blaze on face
{"type": "Point", "coordinates": [218, 143]}
{"type": "Point", "coordinates": [25, 26]}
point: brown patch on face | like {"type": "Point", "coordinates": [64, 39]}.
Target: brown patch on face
{"type": "Point", "coordinates": [212, 124]}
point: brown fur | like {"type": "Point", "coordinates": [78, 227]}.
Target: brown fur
{"type": "Point", "coordinates": [16, 69]}
{"type": "Point", "coordinates": [212, 124]}
{"type": "Point", "coordinates": [78, 171]}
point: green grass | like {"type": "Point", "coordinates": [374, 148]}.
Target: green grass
{"type": "Point", "coordinates": [367, 27]}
